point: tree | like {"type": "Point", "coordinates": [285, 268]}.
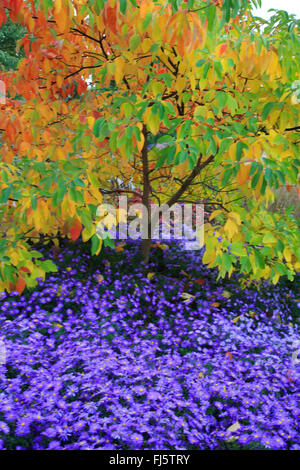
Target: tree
{"type": "Point", "coordinates": [10, 34]}
{"type": "Point", "coordinates": [200, 77]}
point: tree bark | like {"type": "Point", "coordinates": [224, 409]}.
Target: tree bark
{"type": "Point", "coordinates": [146, 243]}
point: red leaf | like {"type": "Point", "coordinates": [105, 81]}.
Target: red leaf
{"type": "Point", "coordinates": [82, 117]}
{"type": "Point", "coordinates": [24, 269]}
{"type": "Point", "coordinates": [75, 230]}
{"type": "Point", "coordinates": [223, 48]}
{"type": "Point", "coordinates": [2, 17]}
{"type": "Point", "coordinates": [199, 281]}
{"type": "Point", "coordinates": [81, 87]}
{"type": "Point", "coordinates": [110, 18]}
{"type": "Point", "coordinates": [96, 114]}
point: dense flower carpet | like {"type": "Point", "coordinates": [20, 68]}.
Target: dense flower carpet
{"type": "Point", "coordinates": [105, 354]}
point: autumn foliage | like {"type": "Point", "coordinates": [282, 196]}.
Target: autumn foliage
{"type": "Point", "coordinates": [104, 83]}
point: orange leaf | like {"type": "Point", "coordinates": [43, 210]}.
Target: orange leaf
{"type": "Point", "coordinates": [110, 18]}
{"type": "Point", "coordinates": [11, 132]}
{"type": "Point", "coordinates": [19, 286]}
{"type": "Point", "coordinates": [221, 49]}
{"type": "Point", "coordinates": [75, 230]}
{"type": "Point", "coordinates": [243, 174]}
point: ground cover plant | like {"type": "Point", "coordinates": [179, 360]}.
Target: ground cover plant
{"type": "Point", "coordinates": [169, 100]}
{"type": "Point", "coordinates": [110, 354]}
{"type": "Point", "coordinates": [144, 345]}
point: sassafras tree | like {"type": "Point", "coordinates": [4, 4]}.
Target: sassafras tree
{"type": "Point", "coordinates": [102, 80]}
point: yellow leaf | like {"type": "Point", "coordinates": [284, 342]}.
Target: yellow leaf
{"type": "Point", "coordinates": [59, 80]}
{"type": "Point", "coordinates": [140, 143]}
{"type": "Point", "coordinates": [86, 235]}
{"type": "Point", "coordinates": [287, 253]}
{"type": "Point", "coordinates": [146, 45]}
{"type": "Point", "coordinates": [163, 247]}
{"type": "Point", "coordinates": [152, 121]}
{"type": "Point", "coordinates": [230, 227]}
{"type": "Point", "coordinates": [180, 84]}
{"type": "Point", "coordinates": [226, 294]}
{"type": "Point", "coordinates": [91, 122]}
{"type": "Point", "coordinates": [236, 217]}
{"type": "Point", "coordinates": [236, 319]}
{"type": "Point", "coordinates": [150, 275]}
{"type": "Point", "coordinates": [157, 88]}
{"type": "Point", "coordinates": [58, 5]}
{"type": "Point", "coordinates": [119, 71]}
{"type": "Point", "coordinates": [187, 298]}
{"type": "Point", "coordinates": [215, 213]}
{"type": "Point", "coordinates": [234, 427]}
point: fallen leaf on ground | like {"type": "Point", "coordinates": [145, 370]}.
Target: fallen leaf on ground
{"type": "Point", "coordinates": [236, 319]}
{"type": "Point", "coordinates": [187, 298]}
{"type": "Point", "coordinates": [226, 294]}
{"type": "Point", "coordinates": [234, 427]}
{"type": "Point", "coordinates": [150, 275]}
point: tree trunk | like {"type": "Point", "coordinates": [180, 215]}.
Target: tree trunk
{"type": "Point", "coordinates": [145, 248]}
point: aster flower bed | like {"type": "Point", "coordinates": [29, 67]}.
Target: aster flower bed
{"type": "Point", "coordinates": [100, 356]}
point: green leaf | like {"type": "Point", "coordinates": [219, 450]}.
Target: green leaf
{"type": "Point", "coordinates": [267, 109]}
{"type": "Point", "coordinates": [75, 195]}
{"type": "Point", "coordinates": [97, 126]}
{"type": "Point", "coordinates": [269, 238]}
{"type": "Point", "coordinates": [256, 177]}
{"type": "Point", "coordinates": [49, 266]}
{"type": "Point", "coordinates": [146, 21]}
{"type": "Point", "coordinates": [221, 98]}
{"type": "Point", "coordinates": [218, 69]}
{"type": "Point", "coordinates": [227, 175]}
{"type": "Point", "coordinates": [134, 42]}
{"type": "Point", "coordinates": [211, 17]}
{"type": "Point", "coordinates": [206, 69]}
{"type": "Point", "coordinates": [238, 249]}
{"type": "Point", "coordinates": [259, 261]}
{"type": "Point", "coordinates": [239, 150]}
{"type": "Point", "coordinates": [95, 244]}
{"type": "Point", "coordinates": [108, 242]}
{"type": "Point", "coordinates": [123, 6]}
